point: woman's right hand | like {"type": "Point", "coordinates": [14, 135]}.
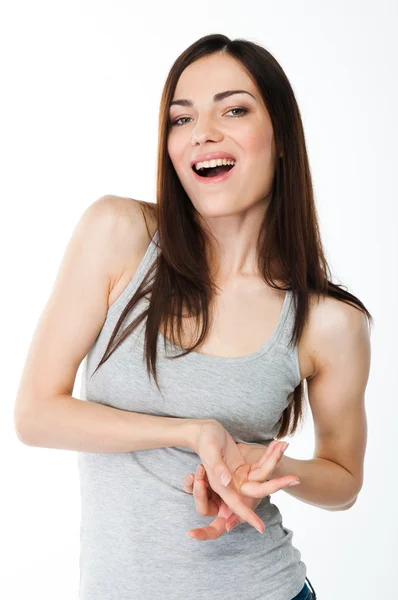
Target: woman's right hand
{"type": "Point", "coordinates": [220, 455]}
{"type": "Point", "coordinates": [262, 461]}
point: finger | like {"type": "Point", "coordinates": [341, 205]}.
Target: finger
{"type": "Point", "coordinates": [233, 499]}
{"type": "Point", "coordinates": [200, 494]}
{"type": "Point", "coordinates": [274, 447]}
{"type": "Point", "coordinates": [232, 522]}
{"type": "Point", "coordinates": [215, 467]}
{"type": "Point", "coordinates": [260, 490]}
{"type": "Point", "coordinates": [206, 507]}
{"type": "Point", "coordinates": [189, 479]}
{"type": "Point", "coordinates": [267, 453]}
{"type": "Point", "coordinates": [188, 483]}
{"type": "Point", "coordinates": [265, 470]}
{"type": "Point", "coordinates": [211, 532]}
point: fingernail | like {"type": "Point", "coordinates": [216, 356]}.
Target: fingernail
{"type": "Point", "coordinates": [232, 525]}
{"type": "Point", "coordinates": [225, 479]}
{"type": "Point", "coordinates": [259, 530]}
{"type": "Point", "coordinates": [196, 486]}
{"type": "Point", "coordinates": [199, 471]}
{"type": "Point", "coordinates": [293, 483]}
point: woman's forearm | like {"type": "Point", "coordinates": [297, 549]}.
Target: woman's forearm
{"type": "Point", "coordinates": [323, 483]}
{"type": "Point", "coordinates": [67, 423]}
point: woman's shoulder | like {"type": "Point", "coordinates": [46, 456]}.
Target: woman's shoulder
{"type": "Point", "coordinates": [328, 313]}
{"type": "Point", "coordinates": [131, 208]}
{"type": "Point", "coordinates": [331, 324]}
{"type": "Point", "coordinates": [134, 224]}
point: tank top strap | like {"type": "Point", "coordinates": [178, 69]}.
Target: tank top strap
{"type": "Point", "coordinates": [289, 320]}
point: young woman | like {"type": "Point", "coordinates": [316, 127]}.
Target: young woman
{"type": "Point", "coordinates": [228, 309]}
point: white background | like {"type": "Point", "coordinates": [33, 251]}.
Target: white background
{"type": "Point", "coordinates": [81, 85]}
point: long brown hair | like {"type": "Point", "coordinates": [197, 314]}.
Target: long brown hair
{"type": "Point", "coordinates": [180, 276]}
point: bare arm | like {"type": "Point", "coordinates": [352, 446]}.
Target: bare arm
{"type": "Point", "coordinates": [68, 423]}
{"type": "Point", "coordinates": [110, 234]}
{"type": "Point", "coordinates": [323, 483]}
{"type": "Point", "coordinates": [333, 478]}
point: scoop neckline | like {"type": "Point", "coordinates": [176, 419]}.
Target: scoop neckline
{"type": "Point", "coordinates": [193, 355]}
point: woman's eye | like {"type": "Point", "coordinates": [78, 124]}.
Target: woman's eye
{"type": "Point", "coordinates": [244, 111]}
{"type": "Point", "coordinates": [176, 122]}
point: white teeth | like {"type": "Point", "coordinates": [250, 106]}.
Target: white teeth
{"type": "Point", "coordinates": [207, 164]}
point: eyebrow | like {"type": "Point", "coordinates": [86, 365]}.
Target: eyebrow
{"type": "Point", "coordinates": [216, 98]}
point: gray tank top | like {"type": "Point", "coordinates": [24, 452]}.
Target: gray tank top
{"type": "Point", "coordinates": [135, 513]}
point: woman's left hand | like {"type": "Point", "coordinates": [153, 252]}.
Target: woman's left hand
{"type": "Point", "coordinates": [260, 461]}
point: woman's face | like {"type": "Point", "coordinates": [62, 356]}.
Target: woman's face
{"type": "Point", "coordinates": [210, 126]}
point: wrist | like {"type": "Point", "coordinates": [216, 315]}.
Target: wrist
{"type": "Point", "coordinates": [191, 429]}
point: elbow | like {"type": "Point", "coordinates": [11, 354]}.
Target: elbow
{"type": "Point", "coordinates": [356, 489]}
{"type": "Point", "coordinates": [23, 431]}
{"type": "Point", "coordinates": [349, 505]}
{"type": "Point", "coordinates": [341, 506]}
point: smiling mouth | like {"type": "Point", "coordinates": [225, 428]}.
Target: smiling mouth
{"type": "Point", "coordinates": [213, 171]}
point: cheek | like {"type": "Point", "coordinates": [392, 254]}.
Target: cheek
{"type": "Point", "coordinates": [175, 152]}
{"type": "Point", "coordinates": [258, 141]}
{"type": "Point", "coordinates": [170, 149]}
